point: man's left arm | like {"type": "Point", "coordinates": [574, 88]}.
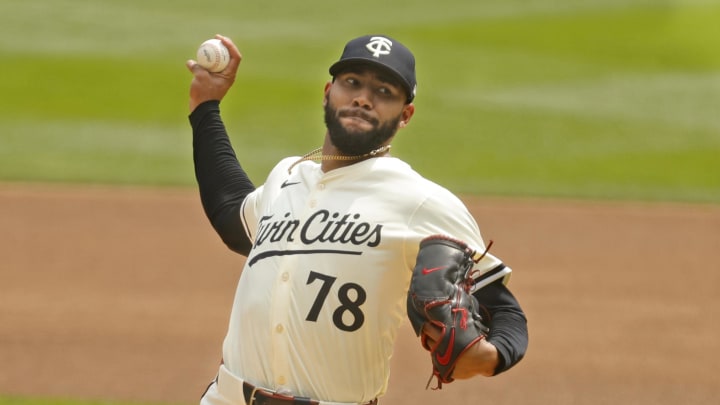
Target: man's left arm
{"type": "Point", "coordinates": [506, 341]}
{"type": "Point", "coordinates": [508, 325]}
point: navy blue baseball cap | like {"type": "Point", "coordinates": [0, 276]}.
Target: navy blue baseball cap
{"type": "Point", "coordinates": [382, 51]}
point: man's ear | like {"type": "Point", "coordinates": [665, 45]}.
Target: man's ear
{"type": "Point", "coordinates": [326, 93]}
{"type": "Point", "coordinates": [407, 114]}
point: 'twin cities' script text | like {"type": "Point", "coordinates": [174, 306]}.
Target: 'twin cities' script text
{"type": "Point", "coordinates": [320, 227]}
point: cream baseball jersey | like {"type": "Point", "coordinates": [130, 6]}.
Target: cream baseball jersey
{"type": "Point", "coordinates": [323, 290]}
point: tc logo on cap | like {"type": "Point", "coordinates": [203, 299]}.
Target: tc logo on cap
{"type": "Point", "coordinates": [379, 46]}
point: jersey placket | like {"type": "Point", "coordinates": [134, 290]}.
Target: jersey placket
{"type": "Point", "coordinates": [281, 302]}
{"type": "Point", "coordinates": [282, 295]}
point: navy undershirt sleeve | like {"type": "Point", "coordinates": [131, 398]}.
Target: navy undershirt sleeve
{"type": "Point", "coordinates": [508, 324]}
{"type": "Point", "coordinates": [222, 182]}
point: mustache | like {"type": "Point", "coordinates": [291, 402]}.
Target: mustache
{"type": "Point", "coordinates": [357, 112]}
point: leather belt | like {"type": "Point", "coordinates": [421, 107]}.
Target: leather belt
{"type": "Point", "coordinates": [258, 396]}
{"type": "Point", "coordinates": [237, 390]}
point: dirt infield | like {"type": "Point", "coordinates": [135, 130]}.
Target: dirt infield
{"type": "Point", "coordinates": [124, 294]}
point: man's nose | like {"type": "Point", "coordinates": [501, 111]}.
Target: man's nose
{"type": "Point", "coordinates": [363, 98]}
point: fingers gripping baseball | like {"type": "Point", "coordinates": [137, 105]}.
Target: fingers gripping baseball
{"type": "Point", "coordinates": [440, 306]}
{"type": "Point", "coordinates": [207, 86]}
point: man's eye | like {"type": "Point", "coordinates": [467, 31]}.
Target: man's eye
{"type": "Point", "coordinates": [387, 91]}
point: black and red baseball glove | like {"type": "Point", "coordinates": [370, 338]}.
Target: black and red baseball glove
{"type": "Point", "coordinates": [440, 294]}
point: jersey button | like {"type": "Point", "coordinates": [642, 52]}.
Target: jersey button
{"type": "Point", "coordinates": [312, 203]}
{"type": "Point", "coordinates": [279, 328]}
{"type": "Point", "coordinates": [321, 186]}
{"type": "Point", "coordinates": [281, 380]}
{"type": "Point", "coordinates": [285, 276]}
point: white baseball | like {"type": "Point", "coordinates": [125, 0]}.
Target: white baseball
{"type": "Point", "coordinates": [213, 55]}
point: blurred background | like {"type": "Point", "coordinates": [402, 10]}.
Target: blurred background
{"type": "Point", "coordinates": [575, 98]}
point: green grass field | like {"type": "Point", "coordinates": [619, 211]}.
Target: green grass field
{"type": "Point", "coordinates": [581, 98]}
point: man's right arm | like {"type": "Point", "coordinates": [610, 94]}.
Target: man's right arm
{"type": "Point", "coordinates": [222, 182]}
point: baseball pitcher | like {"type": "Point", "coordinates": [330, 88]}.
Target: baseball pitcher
{"type": "Point", "coordinates": [344, 244]}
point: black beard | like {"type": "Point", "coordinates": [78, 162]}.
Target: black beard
{"type": "Point", "coordinates": [355, 143]}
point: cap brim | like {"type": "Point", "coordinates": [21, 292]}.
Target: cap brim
{"type": "Point", "coordinates": [341, 65]}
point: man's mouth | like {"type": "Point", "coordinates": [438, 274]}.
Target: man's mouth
{"type": "Point", "coordinates": [356, 119]}
{"type": "Point", "coordinates": [357, 115]}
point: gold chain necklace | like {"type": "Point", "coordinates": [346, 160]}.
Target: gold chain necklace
{"type": "Point", "coordinates": [317, 155]}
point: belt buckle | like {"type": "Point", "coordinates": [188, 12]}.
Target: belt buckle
{"type": "Point", "coordinates": [263, 396]}
{"type": "Point", "coordinates": [252, 395]}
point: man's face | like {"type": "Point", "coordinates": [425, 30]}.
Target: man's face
{"type": "Point", "coordinates": [363, 110]}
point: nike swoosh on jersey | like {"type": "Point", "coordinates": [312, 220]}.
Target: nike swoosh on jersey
{"type": "Point", "coordinates": [445, 358]}
{"type": "Point", "coordinates": [288, 183]}
{"type": "Point", "coordinates": [426, 271]}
